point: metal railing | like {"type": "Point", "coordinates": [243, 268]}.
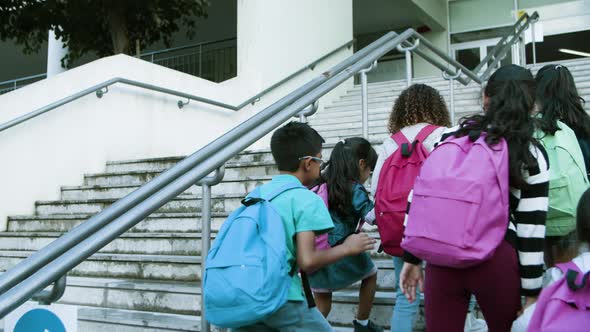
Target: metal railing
{"type": "Point", "coordinates": [51, 263]}
{"type": "Point", "coordinates": [42, 268]}
{"type": "Point", "coordinates": [102, 88]}
{"type": "Point", "coordinates": [452, 70]}
{"type": "Point", "coordinates": [215, 60]}
{"type": "Point", "coordinates": [12, 85]}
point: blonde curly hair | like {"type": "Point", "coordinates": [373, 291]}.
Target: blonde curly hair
{"type": "Point", "coordinates": [420, 103]}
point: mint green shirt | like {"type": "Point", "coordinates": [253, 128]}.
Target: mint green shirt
{"type": "Point", "coordinates": [301, 211]}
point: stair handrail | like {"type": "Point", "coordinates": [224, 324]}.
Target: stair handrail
{"type": "Point", "coordinates": [102, 88]}
{"type": "Point", "coordinates": [45, 266]}
{"type": "Point", "coordinates": [496, 54]}
{"type": "Point", "coordinates": [21, 281]}
{"type": "Point", "coordinates": [521, 25]}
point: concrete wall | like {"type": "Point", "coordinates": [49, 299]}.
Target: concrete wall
{"type": "Point", "coordinates": [434, 14]}
{"type": "Point", "coordinates": [57, 148]}
{"type": "Point", "coordinates": [469, 15]}
{"type": "Point", "coordinates": [421, 67]}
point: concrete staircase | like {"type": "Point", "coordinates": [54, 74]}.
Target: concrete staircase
{"type": "Point", "coordinates": [343, 118]}
{"type": "Point", "coordinates": [148, 279]}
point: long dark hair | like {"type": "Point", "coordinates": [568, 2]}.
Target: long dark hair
{"type": "Point", "coordinates": [511, 93]}
{"type": "Point", "coordinates": [417, 104]}
{"type": "Point", "coordinates": [343, 169]}
{"type": "Point", "coordinates": [558, 99]}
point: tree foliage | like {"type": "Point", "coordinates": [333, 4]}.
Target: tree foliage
{"type": "Point", "coordinates": [102, 27]}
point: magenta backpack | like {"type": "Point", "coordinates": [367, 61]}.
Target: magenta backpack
{"type": "Point", "coordinates": [396, 180]}
{"type": "Point", "coordinates": [459, 210]}
{"type": "Point", "coordinates": [565, 304]}
{"type": "Point", "coordinates": [321, 241]}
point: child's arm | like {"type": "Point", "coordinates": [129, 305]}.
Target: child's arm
{"type": "Point", "coordinates": [362, 205]}
{"type": "Point", "coordinates": [310, 259]}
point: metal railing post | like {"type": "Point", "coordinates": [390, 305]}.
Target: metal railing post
{"type": "Point", "coordinates": [200, 60]}
{"type": "Point", "coordinates": [308, 111]}
{"type": "Point", "coordinates": [47, 297]}
{"type": "Point", "coordinates": [365, 99]}
{"type": "Point", "coordinates": [206, 184]}
{"type": "Point", "coordinates": [523, 53]}
{"type": "Point", "coordinates": [451, 79]}
{"type": "Point", "coordinates": [534, 42]}
{"type": "Point", "coordinates": [408, 51]}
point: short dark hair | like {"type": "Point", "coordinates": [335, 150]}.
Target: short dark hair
{"type": "Point", "coordinates": [293, 141]}
{"type": "Point", "coordinates": [583, 218]}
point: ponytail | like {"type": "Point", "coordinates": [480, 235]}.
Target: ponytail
{"type": "Point", "coordinates": [558, 99]}
{"type": "Point", "coordinates": [343, 169]}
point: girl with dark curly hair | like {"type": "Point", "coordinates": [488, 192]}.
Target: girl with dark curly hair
{"type": "Point", "coordinates": [416, 108]}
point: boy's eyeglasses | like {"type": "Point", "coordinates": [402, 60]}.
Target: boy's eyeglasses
{"type": "Point", "coordinates": [316, 159]}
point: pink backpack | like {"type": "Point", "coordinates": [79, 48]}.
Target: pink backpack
{"type": "Point", "coordinates": [396, 180]}
{"type": "Point", "coordinates": [459, 210]}
{"type": "Point", "coordinates": [321, 241]}
{"type": "Point", "coordinates": [564, 305]}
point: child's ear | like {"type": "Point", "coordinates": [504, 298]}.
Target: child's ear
{"type": "Point", "coordinates": [305, 164]}
{"type": "Point", "coordinates": [362, 164]}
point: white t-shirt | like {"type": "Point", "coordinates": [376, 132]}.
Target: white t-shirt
{"type": "Point", "coordinates": [552, 275]}
{"type": "Point", "coordinates": [389, 147]}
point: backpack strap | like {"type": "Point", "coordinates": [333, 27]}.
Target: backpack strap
{"type": "Point", "coordinates": [255, 196]}
{"type": "Point", "coordinates": [307, 290]}
{"type": "Point", "coordinates": [425, 132]}
{"type": "Point", "coordinates": [399, 138]}
{"type": "Point", "coordinates": [403, 144]}
{"type": "Point", "coordinates": [282, 189]}
{"type": "Point", "coordinates": [572, 272]}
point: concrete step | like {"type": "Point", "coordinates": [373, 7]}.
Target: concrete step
{"type": "Point", "coordinates": [381, 106]}
{"type": "Point", "coordinates": [112, 187]}
{"type": "Point", "coordinates": [155, 223]}
{"type": "Point", "coordinates": [163, 267]}
{"type": "Point", "coordinates": [182, 244]}
{"type": "Point", "coordinates": [184, 298]}
{"type": "Point", "coordinates": [234, 171]}
{"type": "Point", "coordinates": [183, 203]}
{"type": "Point", "coordinates": [393, 95]}
{"type": "Point", "coordinates": [96, 319]}
{"type": "Point", "coordinates": [129, 266]}
{"type": "Point", "coordinates": [395, 90]}
{"type": "Point", "coordinates": [159, 164]}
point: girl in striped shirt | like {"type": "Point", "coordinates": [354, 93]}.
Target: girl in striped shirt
{"type": "Point", "coordinates": [516, 268]}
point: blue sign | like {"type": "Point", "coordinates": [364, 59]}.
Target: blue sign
{"type": "Point", "coordinates": [39, 320]}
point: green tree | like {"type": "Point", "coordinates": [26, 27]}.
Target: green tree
{"type": "Point", "coordinates": [102, 27]}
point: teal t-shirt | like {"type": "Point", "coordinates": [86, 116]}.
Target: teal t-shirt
{"type": "Point", "coordinates": [301, 211]}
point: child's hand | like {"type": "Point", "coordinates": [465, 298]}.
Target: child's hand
{"type": "Point", "coordinates": [358, 243]}
{"type": "Point", "coordinates": [411, 277]}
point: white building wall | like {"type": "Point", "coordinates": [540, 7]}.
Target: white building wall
{"type": "Point", "coordinates": [58, 148]}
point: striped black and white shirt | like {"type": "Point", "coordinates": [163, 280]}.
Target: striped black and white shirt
{"type": "Point", "coordinates": [526, 227]}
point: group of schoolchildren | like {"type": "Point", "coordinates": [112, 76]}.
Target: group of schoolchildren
{"type": "Point", "coordinates": [495, 211]}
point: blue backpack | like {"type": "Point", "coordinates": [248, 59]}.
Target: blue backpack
{"type": "Point", "coordinates": [247, 275]}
